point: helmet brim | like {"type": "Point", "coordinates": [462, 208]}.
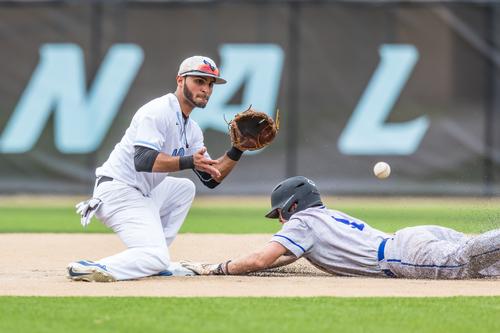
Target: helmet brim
{"type": "Point", "coordinates": [273, 214]}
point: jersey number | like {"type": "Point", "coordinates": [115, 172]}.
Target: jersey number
{"type": "Point", "coordinates": [354, 225]}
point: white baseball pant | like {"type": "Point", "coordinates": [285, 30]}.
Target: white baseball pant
{"type": "Point", "coordinates": [147, 225]}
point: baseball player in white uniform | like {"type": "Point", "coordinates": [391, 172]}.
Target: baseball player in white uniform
{"type": "Point", "coordinates": [134, 194]}
{"type": "Point", "coordinates": [340, 244]}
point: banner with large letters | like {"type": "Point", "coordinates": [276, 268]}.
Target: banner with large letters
{"type": "Point", "coordinates": [415, 86]}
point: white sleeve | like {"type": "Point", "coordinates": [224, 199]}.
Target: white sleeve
{"type": "Point", "coordinates": [151, 131]}
{"type": "Point", "coordinates": [198, 141]}
{"type": "Point", "coordinates": [296, 236]}
{"type": "Point", "coordinates": [197, 137]}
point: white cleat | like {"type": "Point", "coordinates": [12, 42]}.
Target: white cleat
{"type": "Point", "coordinates": [89, 271]}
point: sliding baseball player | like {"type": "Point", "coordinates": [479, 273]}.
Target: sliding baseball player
{"type": "Point", "coordinates": [343, 245]}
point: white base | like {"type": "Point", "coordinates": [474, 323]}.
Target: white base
{"type": "Point", "coordinates": [178, 270]}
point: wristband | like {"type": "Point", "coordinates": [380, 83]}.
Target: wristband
{"type": "Point", "coordinates": [234, 153]}
{"type": "Point", "coordinates": [227, 267]}
{"type": "Point", "coordinates": [186, 162]}
{"type": "Point", "coordinates": [222, 268]}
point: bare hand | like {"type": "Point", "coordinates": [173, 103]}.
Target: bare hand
{"type": "Point", "coordinates": [205, 164]}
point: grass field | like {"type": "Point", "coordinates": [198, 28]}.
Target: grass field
{"type": "Point", "coordinates": [223, 315]}
{"type": "Point", "coordinates": [217, 217]}
{"type": "Point", "coordinates": [54, 315]}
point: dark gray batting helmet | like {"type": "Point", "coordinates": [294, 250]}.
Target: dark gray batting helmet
{"type": "Point", "coordinates": [299, 190]}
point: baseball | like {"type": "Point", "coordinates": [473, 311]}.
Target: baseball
{"type": "Point", "coordinates": [382, 170]}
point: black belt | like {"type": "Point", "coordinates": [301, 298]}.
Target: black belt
{"type": "Point", "coordinates": [104, 179]}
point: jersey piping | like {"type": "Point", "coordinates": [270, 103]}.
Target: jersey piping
{"type": "Point", "coordinates": [291, 241]}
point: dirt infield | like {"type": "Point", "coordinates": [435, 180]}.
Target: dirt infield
{"type": "Point", "coordinates": [34, 264]}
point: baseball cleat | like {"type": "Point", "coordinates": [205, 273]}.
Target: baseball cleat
{"type": "Point", "coordinates": [89, 271]}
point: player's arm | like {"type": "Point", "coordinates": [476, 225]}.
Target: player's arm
{"type": "Point", "coordinates": [150, 160]}
{"type": "Point", "coordinates": [225, 164]}
{"type": "Point", "coordinates": [284, 260]}
{"type": "Point", "coordinates": [257, 261]}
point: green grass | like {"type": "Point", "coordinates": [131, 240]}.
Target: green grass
{"type": "Point", "coordinates": [40, 219]}
{"type": "Point", "coordinates": [219, 218]}
{"type": "Point", "coordinates": [221, 315]}
{"type": "Point", "coordinates": [199, 220]}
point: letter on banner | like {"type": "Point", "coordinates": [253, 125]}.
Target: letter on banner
{"type": "Point", "coordinates": [366, 133]}
{"type": "Point", "coordinates": [58, 84]}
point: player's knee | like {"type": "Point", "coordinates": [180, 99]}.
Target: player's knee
{"type": "Point", "coordinates": [189, 189]}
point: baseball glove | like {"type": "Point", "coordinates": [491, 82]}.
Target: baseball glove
{"type": "Point", "coordinates": [206, 269]}
{"type": "Point", "coordinates": [252, 130]}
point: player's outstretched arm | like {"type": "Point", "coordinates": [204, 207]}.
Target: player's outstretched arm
{"type": "Point", "coordinates": [165, 163]}
{"type": "Point", "coordinates": [284, 260]}
{"type": "Point", "coordinates": [219, 170]}
{"type": "Point", "coordinates": [211, 172]}
{"type": "Point", "coordinates": [227, 162]}
{"type": "Point", "coordinates": [257, 261]}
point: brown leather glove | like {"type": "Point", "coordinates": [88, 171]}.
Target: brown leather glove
{"type": "Point", "coordinates": [252, 130]}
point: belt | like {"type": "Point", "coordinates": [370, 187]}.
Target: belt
{"type": "Point", "coordinates": [381, 249]}
{"type": "Point", "coordinates": [381, 256]}
{"type": "Point", "coordinates": [104, 179]}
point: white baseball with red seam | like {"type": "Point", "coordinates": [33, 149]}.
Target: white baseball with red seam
{"type": "Point", "coordinates": [382, 170]}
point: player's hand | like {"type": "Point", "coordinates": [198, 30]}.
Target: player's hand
{"type": "Point", "coordinates": [200, 268]}
{"type": "Point", "coordinates": [205, 164]}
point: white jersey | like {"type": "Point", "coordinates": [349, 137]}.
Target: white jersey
{"type": "Point", "coordinates": [158, 125]}
{"type": "Point", "coordinates": [333, 241]}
